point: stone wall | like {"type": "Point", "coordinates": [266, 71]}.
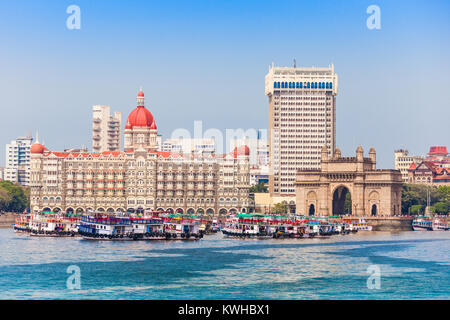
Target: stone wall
{"type": "Point", "coordinates": [7, 219]}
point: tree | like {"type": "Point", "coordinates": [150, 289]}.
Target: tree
{"type": "Point", "coordinates": [444, 192]}
{"type": "Point", "coordinates": [258, 188]}
{"type": "Point", "coordinates": [18, 201]}
{"type": "Point", "coordinates": [442, 207]}
{"type": "Point", "coordinates": [280, 208]}
{"type": "Point", "coordinates": [5, 199]}
{"type": "Point", "coordinates": [416, 209]}
{"type": "Point", "coordinates": [348, 203]}
{"type": "Point", "coordinates": [416, 194]}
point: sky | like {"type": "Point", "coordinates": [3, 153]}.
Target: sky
{"type": "Point", "coordinates": [206, 60]}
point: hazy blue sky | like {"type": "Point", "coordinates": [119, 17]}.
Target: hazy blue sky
{"type": "Point", "coordinates": [206, 60]}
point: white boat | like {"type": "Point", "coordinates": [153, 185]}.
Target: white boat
{"type": "Point", "coordinates": [361, 225]}
{"type": "Point", "coordinates": [422, 224]}
{"type": "Point", "coordinates": [182, 230]}
{"type": "Point", "coordinates": [439, 225]}
{"type": "Point", "coordinates": [52, 225]}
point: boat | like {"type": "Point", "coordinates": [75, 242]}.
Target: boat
{"type": "Point", "coordinates": [249, 226]}
{"type": "Point", "coordinates": [22, 223]}
{"type": "Point", "coordinates": [422, 224]}
{"type": "Point", "coordinates": [99, 226]}
{"type": "Point", "coordinates": [216, 226]}
{"type": "Point", "coordinates": [147, 228]}
{"type": "Point", "coordinates": [45, 224]}
{"type": "Point", "coordinates": [118, 227]}
{"type": "Point", "coordinates": [361, 225]}
{"type": "Point", "coordinates": [182, 231]}
{"type": "Point", "coordinates": [439, 225]}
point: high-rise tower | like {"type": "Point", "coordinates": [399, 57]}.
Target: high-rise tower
{"type": "Point", "coordinates": [106, 129]}
{"type": "Point", "coordinates": [302, 119]}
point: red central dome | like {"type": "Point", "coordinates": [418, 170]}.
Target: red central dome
{"type": "Point", "coordinates": [140, 117]}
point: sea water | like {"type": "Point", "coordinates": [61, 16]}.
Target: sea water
{"type": "Point", "coordinates": [365, 265]}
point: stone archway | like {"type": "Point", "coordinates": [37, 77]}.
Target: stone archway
{"type": "Point", "coordinates": [179, 211]}
{"type": "Point", "coordinates": [345, 185]}
{"type": "Point", "coordinates": [339, 200]}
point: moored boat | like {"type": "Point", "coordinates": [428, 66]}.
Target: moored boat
{"type": "Point", "coordinates": [44, 224]}
{"type": "Point", "coordinates": [22, 223]}
{"type": "Point", "coordinates": [422, 224]}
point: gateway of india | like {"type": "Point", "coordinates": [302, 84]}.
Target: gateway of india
{"type": "Point", "coordinates": [373, 191]}
{"type": "Point", "coordinates": [140, 177]}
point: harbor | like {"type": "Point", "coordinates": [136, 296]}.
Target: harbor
{"type": "Point", "coordinates": [160, 225]}
{"type": "Point", "coordinates": [217, 267]}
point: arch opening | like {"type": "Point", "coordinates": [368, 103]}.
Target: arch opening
{"type": "Point", "coordinates": [374, 210]}
{"type": "Point", "coordinates": [342, 201]}
{"type": "Point", "coordinates": [312, 210]}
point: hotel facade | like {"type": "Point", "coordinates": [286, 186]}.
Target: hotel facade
{"type": "Point", "coordinates": [302, 119]}
{"type": "Point", "coordinates": [140, 177]}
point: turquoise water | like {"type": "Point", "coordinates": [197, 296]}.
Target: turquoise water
{"type": "Point", "coordinates": [413, 265]}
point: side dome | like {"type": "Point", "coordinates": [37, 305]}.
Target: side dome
{"type": "Point", "coordinates": [242, 151]}
{"type": "Point", "coordinates": [37, 148]}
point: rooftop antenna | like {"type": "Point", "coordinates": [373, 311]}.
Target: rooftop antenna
{"type": "Point", "coordinates": [295, 63]}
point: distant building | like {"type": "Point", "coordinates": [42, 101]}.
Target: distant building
{"type": "Point", "coordinates": [433, 170]}
{"type": "Point", "coordinates": [17, 168]}
{"type": "Point", "coordinates": [1, 173]}
{"type": "Point", "coordinates": [106, 129]}
{"type": "Point", "coordinates": [259, 149]}
{"type": "Point", "coordinates": [259, 174]}
{"type": "Point", "coordinates": [403, 161]}
{"type": "Point", "coordinates": [302, 119]}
